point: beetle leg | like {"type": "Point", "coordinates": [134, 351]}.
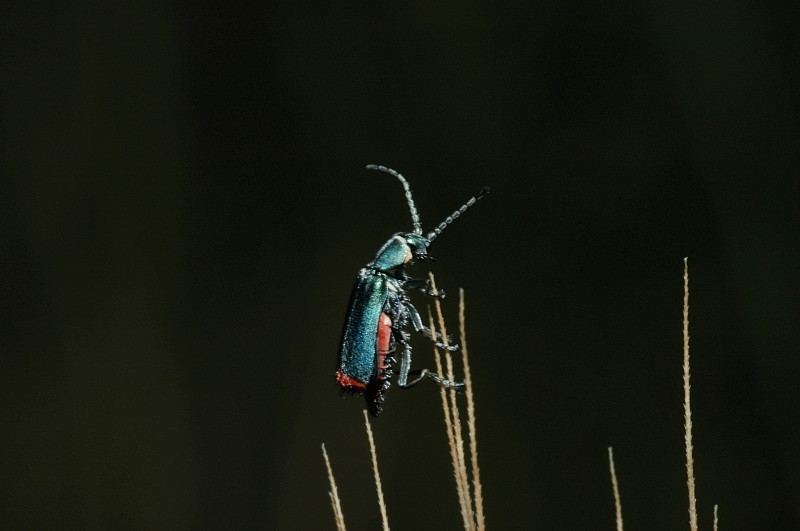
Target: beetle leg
{"type": "Point", "coordinates": [430, 292]}
{"type": "Point", "coordinates": [416, 320]}
{"type": "Point", "coordinates": [425, 373]}
{"type": "Point", "coordinates": [401, 338]}
{"type": "Point", "coordinates": [405, 369]}
{"type": "Point", "coordinates": [451, 348]}
{"type": "Point", "coordinates": [421, 284]}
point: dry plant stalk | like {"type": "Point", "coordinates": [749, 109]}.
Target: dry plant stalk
{"type": "Point", "coordinates": [378, 487]}
{"type": "Point", "coordinates": [334, 493]}
{"type": "Point", "coordinates": [687, 409]}
{"type": "Point", "coordinates": [453, 438]}
{"type": "Point", "coordinates": [473, 518]}
{"type": "Point", "coordinates": [480, 519]}
{"type": "Point", "coordinates": [455, 415]}
{"type": "Point", "coordinates": [615, 487]}
{"type": "Point", "coordinates": [716, 518]}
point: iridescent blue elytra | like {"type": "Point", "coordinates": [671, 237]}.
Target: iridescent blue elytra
{"type": "Point", "coordinates": [380, 309]}
{"type": "Point", "coordinates": [360, 336]}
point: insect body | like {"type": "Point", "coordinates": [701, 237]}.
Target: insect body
{"type": "Point", "coordinates": [380, 310]}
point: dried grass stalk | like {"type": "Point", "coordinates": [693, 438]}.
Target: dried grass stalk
{"type": "Point", "coordinates": [378, 487]}
{"type": "Point", "coordinates": [473, 518]}
{"type": "Point", "coordinates": [334, 493]}
{"type": "Point", "coordinates": [716, 517]}
{"type": "Point", "coordinates": [480, 519]}
{"type": "Point", "coordinates": [459, 472]}
{"type": "Point", "coordinates": [687, 409]}
{"type": "Point", "coordinates": [615, 487]}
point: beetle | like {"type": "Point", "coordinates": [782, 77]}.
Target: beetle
{"type": "Point", "coordinates": [380, 310]}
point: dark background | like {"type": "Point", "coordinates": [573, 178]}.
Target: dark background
{"type": "Point", "coordinates": [184, 208]}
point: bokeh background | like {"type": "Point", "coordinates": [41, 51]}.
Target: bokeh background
{"type": "Point", "coordinates": [184, 208]}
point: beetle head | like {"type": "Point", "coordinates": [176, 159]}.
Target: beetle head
{"type": "Point", "coordinates": [418, 245]}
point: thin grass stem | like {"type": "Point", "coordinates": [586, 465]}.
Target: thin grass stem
{"type": "Point", "coordinates": [448, 422]}
{"type": "Point", "coordinates": [378, 487]}
{"type": "Point", "coordinates": [615, 487]}
{"type": "Point", "coordinates": [453, 438]}
{"type": "Point", "coordinates": [687, 408]}
{"type": "Point", "coordinates": [459, 461]}
{"type": "Point", "coordinates": [480, 520]}
{"type": "Point", "coordinates": [334, 493]}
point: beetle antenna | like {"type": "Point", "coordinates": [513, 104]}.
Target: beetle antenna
{"type": "Point", "coordinates": [414, 214]}
{"type": "Point", "coordinates": [452, 217]}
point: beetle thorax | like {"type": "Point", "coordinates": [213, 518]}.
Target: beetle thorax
{"type": "Point", "coordinates": [394, 253]}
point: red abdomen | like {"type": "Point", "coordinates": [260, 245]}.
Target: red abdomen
{"type": "Point", "coordinates": [384, 343]}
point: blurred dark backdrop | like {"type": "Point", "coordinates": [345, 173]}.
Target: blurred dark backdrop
{"type": "Point", "coordinates": [184, 208]}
